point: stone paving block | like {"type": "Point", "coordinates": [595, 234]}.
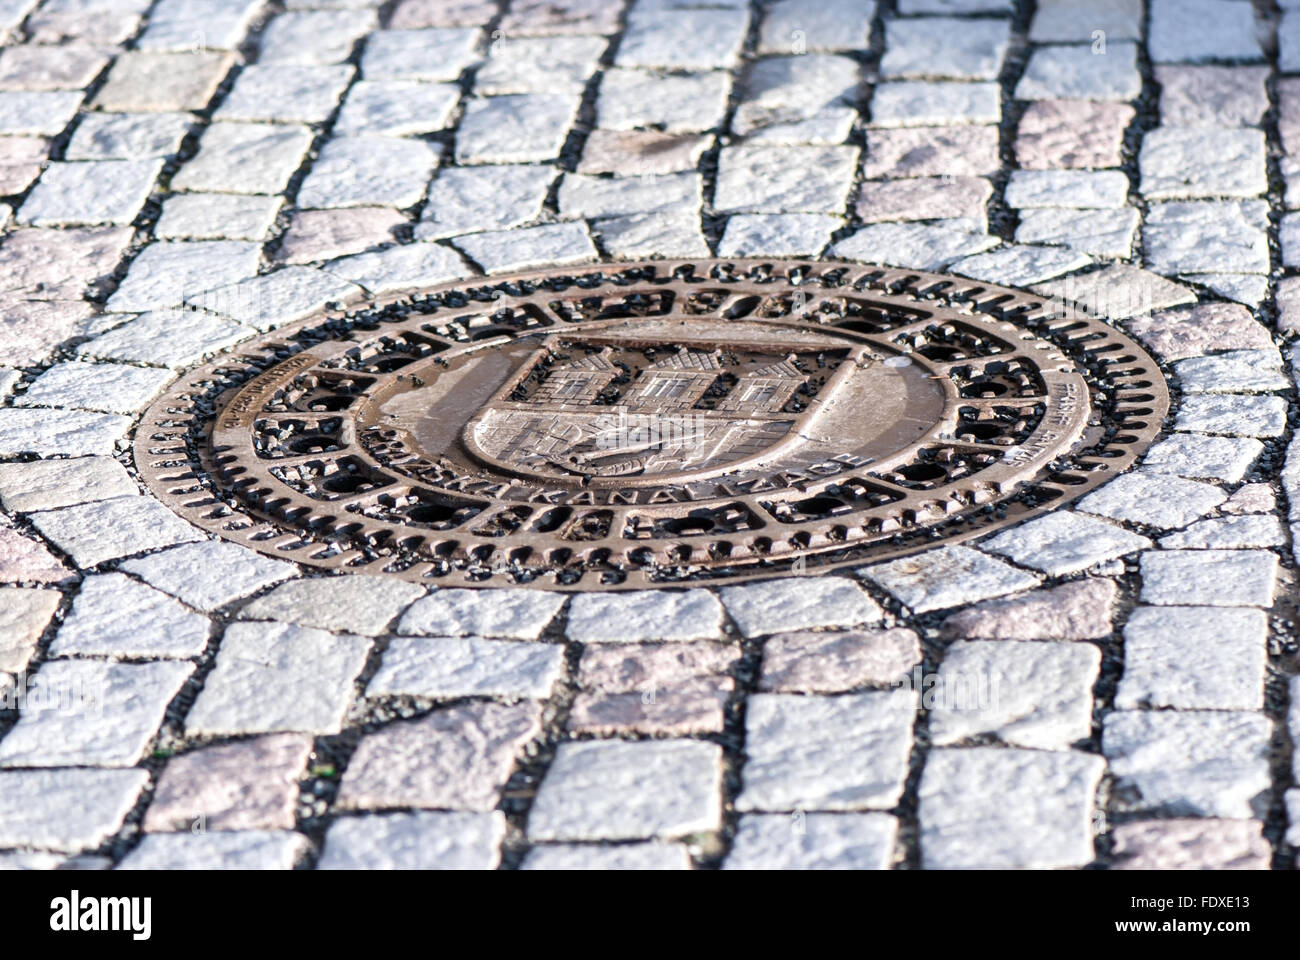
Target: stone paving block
{"type": "Point", "coordinates": [163, 275]}
{"type": "Point", "coordinates": [99, 22]}
{"type": "Point", "coordinates": [1071, 134]}
{"type": "Point", "coordinates": [1293, 727]}
{"type": "Point", "coordinates": [1230, 533]}
{"type": "Point", "coordinates": [1243, 288]}
{"type": "Point", "coordinates": [415, 14]}
{"type": "Point", "coordinates": [325, 234]}
{"type": "Point", "coordinates": [1028, 694]}
{"type": "Point", "coordinates": [396, 108]}
{"type": "Point", "coordinates": [1061, 543]}
{"type": "Point", "coordinates": [1229, 372]}
{"type": "Point", "coordinates": [247, 850]}
{"type": "Point", "coordinates": [917, 103]}
{"type": "Point", "coordinates": [1251, 498]}
{"type": "Point", "coordinates": [114, 616]}
{"type": "Point", "coordinates": [453, 759]}
{"type": "Point", "coordinates": [128, 136]}
{"type": "Point", "coordinates": [1021, 265]}
{"type": "Point", "coordinates": [30, 329]}
{"type": "Point", "coordinates": [561, 17]}
{"type": "Point", "coordinates": [522, 128]}
{"type": "Point", "coordinates": [404, 54]}
{"type": "Point", "coordinates": [992, 808]}
{"type": "Point", "coordinates": [24, 615]}
{"type": "Point", "coordinates": [101, 387]}
{"type": "Point", "coordinates": [79, 809]}
{"type": "Point", "coordinates": [21, 162]}
{"type": "Point", "coordinates": [1064, 21]}
{"type": "Point", "coordinates": [641, 152]}
{"type": "Point", "coordinates": [1154, 499]}
{"type": "Point", "coordinates": [450, 667]}
{"type": "Point", "coordinates": [1090, 189]}
{"type": "Point", "coordinates": [1080, 73]}
{"type": "Point", "coordinates": [145, 81]}
{"type": "Point", "coordinates": [762, 179]}
{"type": "Point", "coordinates": [273, 678]}
{"type": "Point", "coordinates": [1194, 658]}
{"type": "Point", "coordinates": [585, 196]}
{"type": "Point", "coordinates": [624, 668]}
{"type": "Point", "coordinates": [59, 265]}
{"type": "Point", "coordinates": [612, 790]}
{"type": "Point", "coordinates": [184, 24]}
{"type": "Point", "coordinates": [1101, 233]}
{"type": "Point", "coordinates": [777, 234]}
{"type": "Point", "coordinates": [1177, 163]}
{"type": "Point", "coordinates": [791, 27]}
{"type": "Point", "coordinates": [944, 47]}
{"type": "Point", "coordinates": [93, 192]}
{"type": "Point", "coordinates": [683, 38]}
{"type": "Point", "coordinates": [1232, 415]}
{"type": "Point", "coordinates": [216, 216]}
{"type": "Point", "coordinates": [816, 841]}
{"type": "Point", "coordinates": [624, 856]}
{"type": "Point", "coordinates": [799, 603]}
{"type": "Point", "coordinates": [1118, 291]}
{"type": "Point", "coordinates": [643, 615]}
{"type": "Point", "coordinates": [359, 171]}
{"type": "Point", "coordinates": [791, 90]}
{"type": "Point", "coordinates": [923, 198]}
{"type": "Point", "coordinates": [1204, 237]}
{"type": "Point", "coordinates": [42, 113]}
{"type": "Point", "coordinates": [313, 36]}
{"type": "Point", "coordinates": [1216, 578]}
{"type": "Point", "coordinates": [209, 574]}
{"type": "Point", "coordinates": [355, 603]}
{"type": "Point", "coordinates": [947, 577]}
{"type": "Point", "coordinates": [674, 232]}
{"type": "Point", "coordinates": [909, 7]}
{"type": "Point", "coordinates": [170, 338]}
{"type": "Point", "coordinates": [673, 103]}
{"type": "Point", "coordinates": [245, 158]}
{"type": "Point", "coordinates": [499, 251]}
{"type": "Point", "coordinates": [1191, 31]}
{"type": "Point", "coordinates": [1080, 610]}
{"type": "Point", "coordinates": [1212, 96]}
{"type": "Point", "coordinates": [512, 614]}
{"type": "Point", "coordinates": [274, 299]}
{"type": "Point", "coordinates": [914, 245]}
{"type": "Point", "coordinates": [401, 267]}
{"type": "Point", "coordinates": [470, 199]}
{"type": "Point", "coordinates": [539, 65]}
{"type": "Point", "coordinates": [956, 151]}
{"type": "Point", "coordinates": [44, 485]}
{"type": "Point", "coordinates": [249, 785]}
{"type": "Point", "coordinates": [415, 841]}
{"type": "Point", "coordinates": [1288, 304]}
{"type": "Point", "coordinates": [286, 93]}
{"type": "Point", "coordinates": [26, 560]}
{"type": "Point", "coordinates": [1201, 457]}
{"type": "Point", "coordinates": [826, 753]}
{"type": "Point", "coordinates": [835, 662]}
{"type": "Point", "coordinates": [690, 706]}
{"type": "Point", "coordinates": [60, 432]}
{"type": "Point", "coordinates": [1200, 329]}
{"type": "Point", "coordinates": [103, 714]}
{"type": "Point", "coordinates": [1195, 763]}
{"type": "Point", "coordinates": [1198, 844]}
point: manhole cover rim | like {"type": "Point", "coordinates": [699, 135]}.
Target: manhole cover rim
{"type": "Point", "coordinates": [168, 471]}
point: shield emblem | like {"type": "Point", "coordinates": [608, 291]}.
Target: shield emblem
{"type": "Point", "coordinates": [600, 409]}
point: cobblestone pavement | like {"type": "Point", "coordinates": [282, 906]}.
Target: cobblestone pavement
{"type": "Point", "coordinates": [229, 709]}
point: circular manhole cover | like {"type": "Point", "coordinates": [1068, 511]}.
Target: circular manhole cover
{"type": "Point", "coordinates": [651, 424]}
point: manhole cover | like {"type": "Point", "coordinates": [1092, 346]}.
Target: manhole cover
{"type": "Point", "coordinates": [651, 424]}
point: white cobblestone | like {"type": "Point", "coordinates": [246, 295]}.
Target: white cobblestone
{"type": "Point", "coordinates": [1217, 578]}
{"type": "Point", "coordinates": [113, 616]}
{"type": "Point", "coordinates": [818, 841]}
{"type": "Point", "coordinates": [1155, 499]}
{"type": "Point", "coordinates": [1062, 543]}
{"type": "Point", "coordinates": [415, 841]}
{"type": "Point", "coordinates": [449, 667]}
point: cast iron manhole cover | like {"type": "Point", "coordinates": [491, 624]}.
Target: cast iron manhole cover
{"type": "Point", "coordinates": [651, 424]}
